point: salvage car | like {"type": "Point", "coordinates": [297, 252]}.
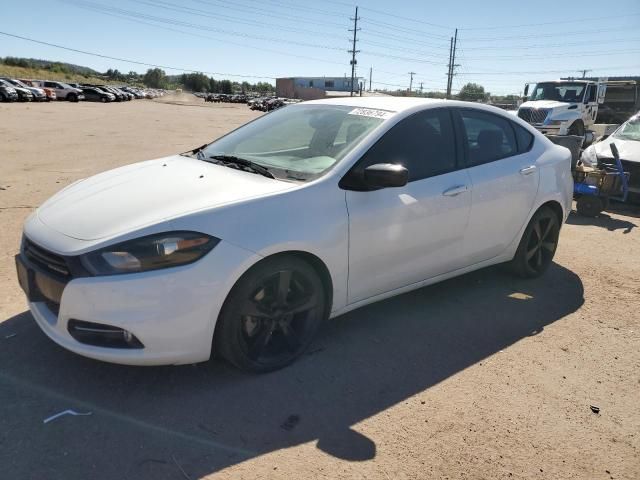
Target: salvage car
{"type": "Point", "coordinates": [627, 139]}
{"type": "Point", "coordinates": [39, 94]}
{"type": "Point", "coordinates": [24, 95]}
{"type": "Point", "coordinates": [8, 93]}
{"type": "Point", "coordinates": [63, 90]}
{"type": "Point", "coordinates": [92, 94]}
{"type": "Point", "coordinates": [244, 246]}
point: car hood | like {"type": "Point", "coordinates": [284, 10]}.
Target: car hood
{"type": "Point", "coordinates": [143, 194]}
{"type": "Point", "coordinates": [628, 149]}
{"type": "Point", "coordinates": [544, 104]}
{"type": "Point", "coordinates": [23, 90]}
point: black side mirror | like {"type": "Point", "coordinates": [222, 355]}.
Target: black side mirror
{"type": "Point", "coordinates": [526, 90]}
{"type": "Point", "coordinates": [383, 175]}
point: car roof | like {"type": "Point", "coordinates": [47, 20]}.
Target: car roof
{"type": "Point", "coordinates": [394, 104]}
{"type": "Point", "coordinates": [402, 104]}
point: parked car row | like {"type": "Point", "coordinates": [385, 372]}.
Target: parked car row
{"type": "Point", "coordinates": [26, 90]}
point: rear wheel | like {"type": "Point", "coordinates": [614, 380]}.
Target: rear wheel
{"type": "Point", "coordinates": [538, 244]}
{"type": "Point", "coordinates": [589, 206]}
{"type": "Point", "coordinates": [271, 315]}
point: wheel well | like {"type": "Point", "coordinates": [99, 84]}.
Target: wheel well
{"type": "Point", "coordinates": [320, 268]}
{"type": "Point", "coordinates": [557, 209]}
{"type": "Point", "coordinates": [317, 264]}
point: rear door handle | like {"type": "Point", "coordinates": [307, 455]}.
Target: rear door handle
{"type": "Point", "coordinates": [453, 191]}
{"type": "Point", "coordinates": [528, 170]}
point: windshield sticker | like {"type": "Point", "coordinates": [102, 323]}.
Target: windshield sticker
{"type": "Point", "coordinates": [371, 112]}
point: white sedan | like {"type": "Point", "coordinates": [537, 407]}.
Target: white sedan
{"type": "Point", "coordinates": [244, 246]}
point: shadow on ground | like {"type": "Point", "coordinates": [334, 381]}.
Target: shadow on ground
{"type": "Point", "coordinates": [149, 423]}
{"type": "Point", "coordinates": [603, 220]}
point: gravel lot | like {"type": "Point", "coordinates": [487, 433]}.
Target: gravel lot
{"type": "Point", "coordinates": [483, 376]}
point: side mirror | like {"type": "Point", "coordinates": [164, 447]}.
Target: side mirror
{"type": "Point", "coordinates": [383, 175]}
{"type": "Point", "coordinates": [526, 90]}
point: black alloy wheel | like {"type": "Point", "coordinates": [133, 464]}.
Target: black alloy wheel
{"type": "Point", "coordinates": [72, 97]}
{"type": "Point", "coordinates": [538, 244]}
{"type": "Point", "coordinates": [271, 315]}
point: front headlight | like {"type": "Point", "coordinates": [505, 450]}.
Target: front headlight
{"type": "Point", "coordinates": [152, 252]}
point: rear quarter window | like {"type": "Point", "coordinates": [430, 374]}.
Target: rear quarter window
{"type": "Point", "coordinates": [524, 138]}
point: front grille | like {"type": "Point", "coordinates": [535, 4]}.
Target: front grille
{"type": "Point", "coordinates": [48, 261]}
{"type": "Point", "coordinates": [533, 115]}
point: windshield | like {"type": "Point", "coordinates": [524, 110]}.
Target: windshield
{"type": "Point", "coordinates": [629, 130]}
{"type": "Point", "coordinates": [558, 91]}
{"type": "Point", "coordinates": [299, 141]}
{"type": "Point", "coordinates": [18, 83]}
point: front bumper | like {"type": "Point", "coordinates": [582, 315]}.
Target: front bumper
{"type": "Point", "coordinates": [172, 312]}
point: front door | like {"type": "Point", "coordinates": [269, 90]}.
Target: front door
{"type": "Point", "coordinates": [400, 236]}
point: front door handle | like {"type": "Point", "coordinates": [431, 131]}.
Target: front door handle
{"type": "Point", "coordinates": [453, 191]}
{"type": "Point", "coordinates": [528, 170]}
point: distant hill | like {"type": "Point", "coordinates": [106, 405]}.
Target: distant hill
{"type": "Point", "coordinates": [48, 65]}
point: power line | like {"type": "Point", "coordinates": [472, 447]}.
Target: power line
{"type": "Point", "coordinates": [573, 21]}
{"type": "Point", "coordinates": [529, 46]}
{"type": "Point", "coordinates": [543, 35]}
{"type": "Point", "coordinates": [546, 71]}
{"type": "Point", "coordinates": [137, 62]}
{"type": "Point", "coordinates": [208, 14]}
{"type": "Point", "coordinates": [128, 13]}
{"type": "Point", "coordinates": [265, 12]}
{"type": "Point", "coordinates": [389, 14]}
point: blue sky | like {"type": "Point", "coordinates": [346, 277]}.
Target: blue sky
{"type": "Point", "coordinates": [501, 43]}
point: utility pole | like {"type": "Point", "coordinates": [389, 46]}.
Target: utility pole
{"type": "Point", "coordinates": [452, 62]}
{"type": "Point", "coordinates": [353, 50]}
{"type": "Point", "coordinates": [420, 88]}
{"type": "Point", "coordinates": [411, 81]}
{"type": "Point", "coordinates": [584, 72]}
{"type": "Point", "coordinates": [370, 75]}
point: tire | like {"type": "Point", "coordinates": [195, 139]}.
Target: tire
{"type": "Point", "coordinates": [72, 97]}
{"type": "Point", "coordinates": [577, 128]}
{"type": "Point", "coordinates": [103, 100]}
{"type": "Point", "coordinates": [537, 245]}
{"type": "Point", "coordinates": [271, 315]}
{"type": "Point", "coordinates": [589, 206]}
{"type": "Point", "coordinates": [3, 98]}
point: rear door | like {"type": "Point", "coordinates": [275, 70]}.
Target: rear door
{"type": "Point", "coordinates": [403, 235]}
{"type": "Point", "coordinates": [505, 177]}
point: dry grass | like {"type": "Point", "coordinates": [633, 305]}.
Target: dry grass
{"type": "Point", "coordinates": [43, 74]}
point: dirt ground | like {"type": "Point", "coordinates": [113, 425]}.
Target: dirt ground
{"type": "Point", "coordinates": [483, 376]}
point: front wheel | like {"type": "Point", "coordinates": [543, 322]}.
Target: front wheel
{"type": "Point", "coordinates": [271, 315]}
{"type": "Point", "coordinates": [577, 128]}
{"type": "Point", "coordinates": [72, 97]}
{"type": "Point", "coordinates": [538, 244]}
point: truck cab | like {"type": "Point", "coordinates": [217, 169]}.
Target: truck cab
{"type": "Point", "coordinates": [562, 107]}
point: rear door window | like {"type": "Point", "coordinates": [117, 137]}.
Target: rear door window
{"type": "Point", "coordinates": [489, 137]}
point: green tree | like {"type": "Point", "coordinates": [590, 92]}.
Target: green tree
{"type": "Point", "coordinates": [225, 86]}
{"type": "Point", "coordinates": [154, 78]}
{"type": "Point", "coordinates": [472, 92]}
